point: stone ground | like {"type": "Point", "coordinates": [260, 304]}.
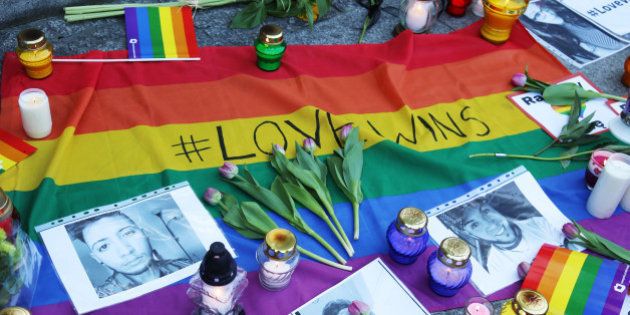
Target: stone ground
{"type": "Point", "coordinates": [341, 26]}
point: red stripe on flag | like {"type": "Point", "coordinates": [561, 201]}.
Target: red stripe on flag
{"type": "Point", "coordinates": [16, 143]}
{"type": "Point", "coordinates": [189, 30]}
{"type": "Point", "coordinates": [537, 270]}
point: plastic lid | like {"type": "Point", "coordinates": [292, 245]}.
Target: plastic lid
{"type": "Point", "coordinates": [218, 268]}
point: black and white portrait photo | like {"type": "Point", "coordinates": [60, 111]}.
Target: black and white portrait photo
{"type": "Point", "coordinates": [123, 249]}
{"type": "Point", "coordinates": [113, 253]}
{"type": "Point", "coordinates": [568, 33]}
{"type": "Point", "coordinates": [503, 227]}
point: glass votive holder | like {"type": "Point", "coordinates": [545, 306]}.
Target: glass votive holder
{"type": "Point", "coordinates": [477, 8]}
{"type": "Point", "coordinates": [35, 53]}
{"type": "Point", "coordinates": [595, 166]}
{"type": "Point", "coordinates": [457, 8]}
{"type": "Point", "coordinates": [418, 16]}
{"type": "Point", "coordinates": [278, 257]}
{"type": "Point", "coordinates": [449, 267]}
{"type": "Point", "coordinates": [499, 17]}
{"type": "Point", "coordinates": [407, 236]}
{"type": "Point", "coordinates": [270, 47]}
{"type": "Point", "coordinates": [478, 306]}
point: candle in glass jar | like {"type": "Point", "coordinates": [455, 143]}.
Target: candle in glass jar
{"type": "Point", "coordinates": [610, 187]}
{"type": "Point", "coordinates": [35, 112]}
{"type": "Point", "coordinates": [499, 17]}
{"type": "Point", "coordinates": [595, 166]}
{"type": "Point", "coordinates": [449, 268]}
{"type": "Point", "coordinates": [418, 15]}
{"type": "Point", "coordinates": [275, 274]}
{"type": "Point", "coordinates": [479, 306]}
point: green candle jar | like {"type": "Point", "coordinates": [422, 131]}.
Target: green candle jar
{"type": "Point", "coordinates": [270, 47]}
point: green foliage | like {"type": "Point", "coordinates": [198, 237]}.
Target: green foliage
{"type": "Point", "coordinates": [255, 13]}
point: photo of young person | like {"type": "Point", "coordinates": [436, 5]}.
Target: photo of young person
{"type": "Point", "coordinates": [117, 252]}
{"type": "Point", "coordinates": [502, 228]}
{"type": "Point", "coordinates": [569, 33]}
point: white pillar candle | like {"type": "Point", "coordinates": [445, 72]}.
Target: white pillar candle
{"type": "Point", "coordinates": [477, 8]}
{"type": "Point", "coordinates": [35, 112]}
{"type": "Point", "coordinates": [625, 202]}
{"type": "Point", "coordinates": [418, 15]}
{"type": "Point", "coordinates": [611, 186]}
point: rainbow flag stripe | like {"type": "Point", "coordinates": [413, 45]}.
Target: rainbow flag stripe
{"type": "Point", "coordinates": [160, 32]}
{"type": "Point", "coordinates": [577, 283]}
{"type": "Point", "coordinates": [12, 150]}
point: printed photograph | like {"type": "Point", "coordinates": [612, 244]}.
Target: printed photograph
{"type": "Point", "coordinates": [505, 222]}
{"type": "Point", "coordinates": [568, 33]}
{"type": "Point", "coordinates": [120, 250]}
{"type": "Point", "coordinates": [372, 290]}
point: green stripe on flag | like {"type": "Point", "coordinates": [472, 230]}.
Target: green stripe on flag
{"type": "Point", "coordinates": [156, 32]}
{"type": "Point", "coordinates": [583, 286]}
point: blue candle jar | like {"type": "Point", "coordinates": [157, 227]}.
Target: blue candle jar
{"type": "Point", "coordinates": [407, 236]}
{"type": "Point", "coordinates": [449, 267]}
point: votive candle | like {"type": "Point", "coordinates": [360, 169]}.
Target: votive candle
{"type": "Point", "coordinates": [418, 15]}
{"type": "Point", "coordinates": [449, 268]}
{"type": "Point", "coordinates": [479, 306]}
{"type": "Point", "coordinates": [610, 187]}
{"type": "Point", "coordinates": [35, 112]}
{"type": "Point", "coordinates": [595, 166]}
{"type": "Point", "coordinates": [499, 17]}
{"type": "Point", "coordinates": [457, 8]}
{"type": "Point", "coordinates": [407, 236]}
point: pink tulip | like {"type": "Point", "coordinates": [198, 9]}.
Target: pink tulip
{"type": "Point", "coordinates": [309, 145]}
{"type": "Point", "coordinates": [228, 170]}
{"type": "Point", "coordinates": [345, 131]}
{"type": "Point", "coordinates": [519, 79]}
{"type": "Point", "coordinates": [359, 308]}
{"type": "Point", "coordinates": [212, 196]}
{"type": "Point", "coordinates": [523, 269]}
{"type": "Point", "coordinates": [278, 148]}
{"type": "Point", "coordinates": [570, 231]}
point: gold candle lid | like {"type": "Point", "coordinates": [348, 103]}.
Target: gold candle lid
{"type": "Point", "coordinates": [31, 39]}
{"type": "Point", "coordinates": [411, 221]}
{"type": "Point", "coordinates": [271, 34]}
{"type": "Point", "coordinates": [455, 252]}
{"type": "Point", "coordinates": [280, 244]}
{"type": "Point", "coordinates": [15, 310]}
{"type": "Point", "coordinates": [510, 7]}
{"type": "Point", "coordinates": [530, 302]}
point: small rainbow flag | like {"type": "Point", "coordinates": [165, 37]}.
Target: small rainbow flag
{"type": "Point", "coordinates": [577, 283]}
{"type": "Point", "coordinates": [161, 32]}
{"type": "Point", "coordinates": [12, 150]}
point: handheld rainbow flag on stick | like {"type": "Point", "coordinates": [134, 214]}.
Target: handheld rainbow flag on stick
{"type": "Point", "coordinates": [577, 283]}
{"type": "Point", "coordinates": [12, 150]}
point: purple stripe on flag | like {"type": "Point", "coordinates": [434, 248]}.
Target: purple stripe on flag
{"type": "Point", "coordinates": [131, 22]}
{"type": "Point", "coordinates": [617, 292]}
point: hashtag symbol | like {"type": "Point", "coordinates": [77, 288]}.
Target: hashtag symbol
{"type": "Point", "coordinates": [190, 147]}
{"type": "Point", "coordinates": [592, 13]}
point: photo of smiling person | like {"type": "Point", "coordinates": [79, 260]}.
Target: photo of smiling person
{"type": "Point", "coordinates": [502, 228]}
{"type": "Point", "coordinates": [120, 253]}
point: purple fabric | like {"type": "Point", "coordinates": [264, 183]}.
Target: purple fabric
{"type": "Point", "coordinates": [311, 278]}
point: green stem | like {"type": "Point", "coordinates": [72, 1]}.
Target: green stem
{"type": "Point", "coordinates": [323, 260]}
{"type": "Point", "coordinates": [316, 236]}
{"type": "Point", "coordinates": [613, 97]}
{"type": "Point", "coordinates": [88, 16]}
{"type": "Point", "coordinates": [331, 212]}
{"type": "Point", "coordinates": [349, 250]}
{"type": "Point", "coordinates": [365, 25]}
{"type": "Point", "coordinates": [530, 157]}
{"type": "Point", "coordinates": [355, 210]}
{"type": "Point", "coordinates": [539, 152]}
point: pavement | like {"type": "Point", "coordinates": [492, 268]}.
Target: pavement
{"type": "Point", "coordinates": [341, 26]}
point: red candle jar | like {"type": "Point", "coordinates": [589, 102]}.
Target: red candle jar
{"type": "Point", "coordinates": [6, 211]}
{"type": "Point", "coordinates": [626, 73]}
{"type": "Point", "coordinates": [457, 8]}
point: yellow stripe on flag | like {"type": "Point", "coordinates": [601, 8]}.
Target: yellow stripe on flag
{"type": "Point", "coordinates": [168, 36]}
{"type": "Point", "coordinates": [97, 156]}
{"type": "Point", "coordinates": [568, 278]}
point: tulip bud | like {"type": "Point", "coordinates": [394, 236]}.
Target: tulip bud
{"type": "Point", "coordinates": [345, 131]}
{"type": "Point", "coordinates": [523, 269]}
{"type": "Point", "coordinates": [359, 308]}
{"type": "Point", "coordinates": [278, 148]}
{"type": "Point", "coordinates": [519, 79]}
{"type": "Point", "coordinates": [228, 170]}
{"type": "Point", "coordinates": [309, 145]}
{"type": "Point", "coordinates": [212, 196]}
{"type": "Point", "coordinates": [570, 231]}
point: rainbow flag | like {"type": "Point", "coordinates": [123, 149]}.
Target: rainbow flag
{"type": "Point", "coordinates": [423, 103]}
{"type": "Point", "coordinates": [12, 150]}
{"type": "Point", "coordinates": [577, 283]}
{"type": "Point", "coordinates": [161, 32]}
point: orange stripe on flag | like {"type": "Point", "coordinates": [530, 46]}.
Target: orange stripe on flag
{"type": "Point", "coordinates": [11, 152]}
{"type": "Point", "coordinates": [554, 269]}
{"type": "Point", "coordinates": [179, 32]}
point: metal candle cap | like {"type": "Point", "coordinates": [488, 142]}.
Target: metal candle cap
{"type": "Point", "coordinates": [411, 221]}
{"type": "Point", "coordinates": [15, 310]}
{"type": "Point", "coordinates": [455, 252]}
{"type": "Point", "coordinates": [271, 34]}
{"type": "Point", "coordinates": [280, 244]}
{"type": "Point", "coordinates": [31, 39]}
{"type": "Point", "coordinates": [530, 302]}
